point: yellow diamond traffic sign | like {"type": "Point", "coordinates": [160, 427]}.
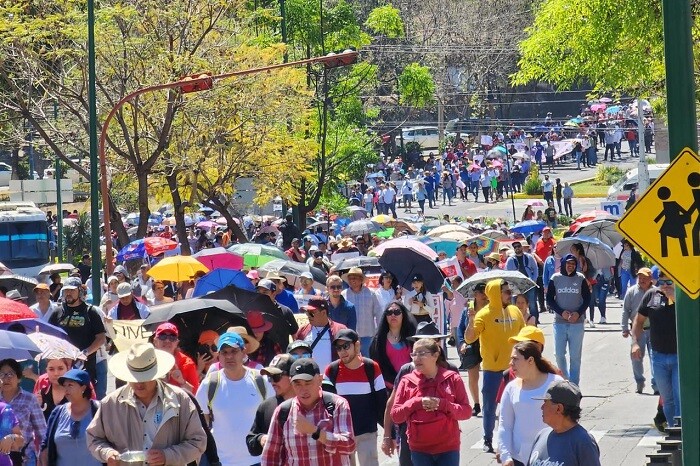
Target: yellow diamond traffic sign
{"type": "Point", "coordinates": [665, 222]}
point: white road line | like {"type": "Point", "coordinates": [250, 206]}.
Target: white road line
{"type": "Point", "coordinates": [598, 434]}
{"type": "Point", "coordinates": [650, 438]}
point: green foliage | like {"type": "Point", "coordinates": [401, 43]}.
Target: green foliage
{"type": "Point", "coordinates": [416, 86]}
{"type": "Point", "coordinates": [608, 174]}
{"type": "Point", "coordinates": [77, 236]}
{"type": "Point", "coordinates": [386, 21]}
{"type": "Point", "coordinates": [23, 169]}
{"type": "Point", "coordinates": [532, 184]}
{"type": "Point", "coordinates": [124, 191]}
{"type": "Point", "coordinates": [612, 45]}
{"type": "Point", "coordinates": [333, 203]}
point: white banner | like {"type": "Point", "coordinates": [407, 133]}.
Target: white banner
{"type": "Point", "coordinates": [125, 333]}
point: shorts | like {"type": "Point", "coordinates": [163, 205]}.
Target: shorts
{"type": "Point", "coordinates": [407, 197]}
{"type": "Point", "coordinates": [472, 357]}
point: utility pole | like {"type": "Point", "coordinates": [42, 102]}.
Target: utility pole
{"type": "Point", "coordinates": [682, 132]}
{"type": "Point", "coordinates": [642, 165]}
{"type": "Point", "coordinates": [94, 158]}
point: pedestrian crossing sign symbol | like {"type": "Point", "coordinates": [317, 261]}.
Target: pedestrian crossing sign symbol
{"type": "Point", "coordinates": [665, 222]}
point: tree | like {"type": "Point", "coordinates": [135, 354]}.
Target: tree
{"type": "Point", "coordinates": [594, 41]}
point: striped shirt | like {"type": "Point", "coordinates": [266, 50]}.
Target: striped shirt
{"type": "Point", "coordinates": [369, 312]}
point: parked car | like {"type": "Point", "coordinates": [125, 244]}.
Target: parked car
{"type": "Point", "coordinates": [620, 191]}
{"type": "Point", "coordinates": [5, 174]}
{"type": "Point", "coordinates": [426, 136]}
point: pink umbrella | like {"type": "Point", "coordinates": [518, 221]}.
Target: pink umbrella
{"type": "Point", "coordinates": [474, 167]}
{"type": "Point", "coordinates": [403, 243]}
{"type": "Point", "coordinates": [598, 107]}
{"type": "Point", "coordinates": [536, 203]}
{"type": "Point", "coordinates": [207, 225]}
{"type": "Point", "coordinates": [269, 229]}
{"type": "Point", "coordinates": [497, 163]}
{"type": "Point", "coordinates": [156, 245]}
{"type": "Point", "coordinates": [605, 100]}
{"type": "Point", "coordinates": [219, 258]}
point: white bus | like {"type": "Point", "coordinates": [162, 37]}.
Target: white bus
{"type": "Point", "coordinates": [24, 238]}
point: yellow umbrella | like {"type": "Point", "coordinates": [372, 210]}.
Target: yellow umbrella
{"type": "Point", "coordinates": [177, 268]}
{"type": "Point", "coordinates": [382, 218]}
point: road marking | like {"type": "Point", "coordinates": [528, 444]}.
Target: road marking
{"type": "Point", "coordinates": [650, 438]}
{"type": "Point", "coordinates": [598, 434]}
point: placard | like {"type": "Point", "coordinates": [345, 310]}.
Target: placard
{"type": "Point", "coordinates": [125, 333]}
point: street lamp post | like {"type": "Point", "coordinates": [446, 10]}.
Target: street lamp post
{"type": "Point", "coordinates": [190, 84]}
{"type": "Point", "coordinates": [94, 193]}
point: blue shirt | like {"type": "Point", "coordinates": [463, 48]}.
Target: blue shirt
{"type": "Point", "coordinates": [286, 298]}
{"type": "Point", "coordinates": [344, 314]}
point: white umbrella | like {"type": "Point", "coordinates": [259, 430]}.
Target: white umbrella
{"type": "Point", "coordinates": [55, 348]}
{"type": "Point", "coordinates": [604, 230]}
{"type": "Point", "coordinates": [518, 282]}
{"type": "Point", "coordinates": [600, 254]}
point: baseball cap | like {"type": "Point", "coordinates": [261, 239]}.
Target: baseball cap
{"type": "Point", "coordinates": [306, 275]}
{"type": "Point", "coordinates": [296, 344]}
{"type": "Point", "coordinates": [516, 244]}
{"type": "Point", "coordinates": [646, 271]}
{"type": "Point", "coordinates": [316, 305]}
{"type": "Point", "coordinates": [267, 284]}
{"type": "Point", "coordinates": [304, 369]}
{"type": "Point", "coordinates": [123, 290]}
{"type": "Point", "coordinates": [231, 339]}
{"type": "Point", "coordinates": [76, 375]}
{"type": "Point", "coordinates": [280, 364]}
{"type": "Point", "coordinates": [347, 334]}
{"type": "Point", "coordinates": [528, 333]}
{"type": "Point", "coordinates": [112, 278]}
{"type": "Point", "coordinates": [72, 283]}
{"type": "Point", "coordinates": [42, 286]}
{"type": "Point", "coordinates": [563, 392]}
{"type": "Point", "coordinates": [546, 229]}
{"type": "Point", "coordinates": [417, 277]}
{"type": "Point", "coordinates": [167, 327]}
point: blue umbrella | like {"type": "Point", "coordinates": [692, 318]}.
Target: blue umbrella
{"type": "Point", "coordinates": [528, 226]}
{"type": "Point", "coordinates": [32, 325]}
{"type": "Point", "coordinates": [221, 278]}
{"type": "Point", "coordinates": [15, 345]}
{"type": "Point", "coordinates": [613, 109]}
{"type": "Point", "coordinates": [134, 250]}
{"type": "Point", "coordinates": [449, 246]}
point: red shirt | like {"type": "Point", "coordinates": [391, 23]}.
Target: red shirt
{"type": "Point", "coordinates": [468, 267]}
{"type": "Point", "coordinates": [543, 248]}
{"type": "Point", "coordinates": [188, 369]}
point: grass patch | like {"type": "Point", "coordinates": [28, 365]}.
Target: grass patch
{"type": "Point", "coordinates": [590, 188]}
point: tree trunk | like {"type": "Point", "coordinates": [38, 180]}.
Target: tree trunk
{"type": "Point", "coordinates": [235, 227]}
{"type": "Point", "coordinates": [144, 211]}
{"type": "Point", "coordinates": [14, 162]}
{"type": "Point", "coordinates": [115, 223]}
{"type": "Point", "coordinates": [180, 227]}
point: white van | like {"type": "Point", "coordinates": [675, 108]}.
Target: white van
{"type": "Point", "coordinates": [427, 136]}
{"type": "Point", "coordinates": [620, 191]}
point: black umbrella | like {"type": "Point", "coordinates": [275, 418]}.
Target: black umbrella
{"type": "Point", "coordinates": [252, 301]}
{"type": "Point", "coordinates": [193, 316]}
{"type": "Point", "coordinates": [362, 227]}
{"type": "Point", "coordinates": [292, 270]}
{"type": "Point", "coordinates": [405, 263]}
{"type": "Point", "coordinates": [24, 285]}
{"type": "Point", "coordinates": [366, 263]}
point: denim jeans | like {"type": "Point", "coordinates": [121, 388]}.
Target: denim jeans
{"type": "Point", "coordinates": [101, 386]}
{"type": "Point", "coordinates": [600, 292]}
{"type": "Point", "coordinates": [666, 374]}
{"type": "Point", "coordinates": [430, 199]}
{"type": "Point", "coordinates": [365, 343]}
{"type": "Point", "coordinates": [626, 279]}
{"type": "Point", "coordinates": [489, 390]}
{"type": "Point", "coordinates": [449, 458]}
{"type": "Point", "coordinates": [634, 149]}
{"type": "Point", "coordinates": [638, 364]}
{"type": "Point", "coordinates": [570, 335]}
{"type": "Point", "coordinates": [531, 295]}
{"type": "Point", "coordinates": [578, 159]}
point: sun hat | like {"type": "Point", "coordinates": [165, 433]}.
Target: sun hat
{"type": "Point", "coordinates": [427, 330]}
{"type": "Point", "coordinates": [252, 344]}
{"type": "Point", "coordinates": [528, 333]}
{"type": "Point", "coordinates": [112, 278]}
{"type": "Point", "coordinates": [15, 295]}
{"type": "Point", "coordinates": [231, 339]}
{"type": "Point", "coordinates": [563, 392]}
{"type": "Point", "coordinates": [124, 290]}
{"type": "Point", "coordinates": [141, 363]}
{"type": "Point", "coordinates": [355, 271]}
{"type": "Point", "coordinates": [257, 322]}
{"type": "Point", "coordinates": [304, 369]}
{"type": "Point", "coordinates": [122, 270]}
{"type": "Point", "coordinates": [306, 275]}
{"type": "Point", "coordinates": [494, 256]}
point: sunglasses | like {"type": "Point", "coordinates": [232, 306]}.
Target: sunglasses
{"type": "Point", "coordinates": [310, 314]}
{"type": "Point", "coordinates": [343, 346]}
{"type": "Point", "coordinates": [664, 282]}
{"type": "Point", "coordinates": [392, 312]}
{"type": "Point", "coordinates": [299, 356]}
{"type": "Point", "coordinates": [277, 377]}
{"type": "Point", "coordinates": [206, 348]}
{"type": "Point", "coordinates": [335, 287]}
{"type": "Point", "coordinates": [167, 337]}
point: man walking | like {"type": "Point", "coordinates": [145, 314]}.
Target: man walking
{"type": "Point", "coordinates": [568, 295]}
{"type": "Point", "coordinates": [493, 326]}
{"type": "Point", "coordinates": [359, 380]}
{"type": "Point", "coordinates": [369, 312]}
{"type": "Point", "coordinates": [564, 441]}
{"type": "Point", "coordinates": [319, 332]}
{"type": "Point", "coordinates": [147, 414]}
{"type": "Point", "coordinates": [314, 427]}
{"type": "Point", "coordinates": [659, 307]}
{"type": "Point", "coordinates": [339, 308]}
{"type": "Point", "coordinates": [237, 389]}
{"type": "Point", "coordinates": [127, 308]}
{"type": "Point", "coordinates": [630, 305]}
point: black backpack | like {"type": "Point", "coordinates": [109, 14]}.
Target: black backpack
{"type": "Point", "coordinates": [286, 406]}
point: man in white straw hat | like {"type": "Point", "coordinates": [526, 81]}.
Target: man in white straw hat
{"type": "Point", "coordinates": [147, 415]}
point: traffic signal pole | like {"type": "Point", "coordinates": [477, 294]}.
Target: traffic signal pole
{"type": "Point", "coordinates": [682, 132]}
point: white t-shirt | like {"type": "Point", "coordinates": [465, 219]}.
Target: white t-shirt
{"type": "Point", "coordinates": [234, 405]}
{"type": "Point", "coordinates": [521, 419]}
{"type": "Point", "coordinates": [322, 350]}
{"type": "Point", "coordinates": [389, 195]}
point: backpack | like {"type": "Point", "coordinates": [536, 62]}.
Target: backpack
{"type": "Point", "coordinates": [286, 407]}
{"type": "Point", "coordinates": [368, 364]}
{"type": "Point", "coordinates": [215, 379]}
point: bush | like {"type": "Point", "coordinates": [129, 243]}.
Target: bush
{"type": "Point", "coordinates": [608, 175]}
{"type": "Point", "coordinates": [532, 184]}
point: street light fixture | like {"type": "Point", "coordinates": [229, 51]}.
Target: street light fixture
{"type": "Point", "coordinates": [192, 83]}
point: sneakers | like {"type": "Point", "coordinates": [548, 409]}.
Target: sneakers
{"type": "Point", "coordinates": [640, 387]}
{"type": "Point", "coordinates": [487, 448]}
{"type": "Point", "coordinates": [603, 320]}
{"type": "Point", "coordinates": [476, 409]}
{"type": "Point", "coordinates": [590, 323]}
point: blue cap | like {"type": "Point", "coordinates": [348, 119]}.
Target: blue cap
{"type": "Point", "coordinates": [655, 271]}
{"type": "Point", "coordinates": [76, 375]}
{"type": "Point", "coordinates": [231, 339]}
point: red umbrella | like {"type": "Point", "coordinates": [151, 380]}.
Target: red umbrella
{"type": "Point", "coordinates": [156, 245]}
{"type": "Point", "coordinates": [591, 215]}
{"type": "Point", "coordinates": [219, 258]}
{"type": "Point", "coordinates": [12, 310]}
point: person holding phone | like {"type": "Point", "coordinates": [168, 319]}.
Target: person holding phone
{"type": "Point", "coordinates": [207, 351]}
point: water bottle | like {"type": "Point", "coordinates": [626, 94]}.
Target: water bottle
{"type": "Point", "coordinates": [6, 421]}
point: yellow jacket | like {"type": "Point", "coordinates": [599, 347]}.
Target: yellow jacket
{"type": "Point", "coordinates": [493, 326]}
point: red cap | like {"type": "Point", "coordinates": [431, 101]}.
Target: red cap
{"type": "Point", "coordinates": [167, 327]}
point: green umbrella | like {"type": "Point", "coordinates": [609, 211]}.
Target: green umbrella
{"type": "Point", "coordinates": [388, 233]}
{"type": "Point", "coordinates": [256, 255]}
